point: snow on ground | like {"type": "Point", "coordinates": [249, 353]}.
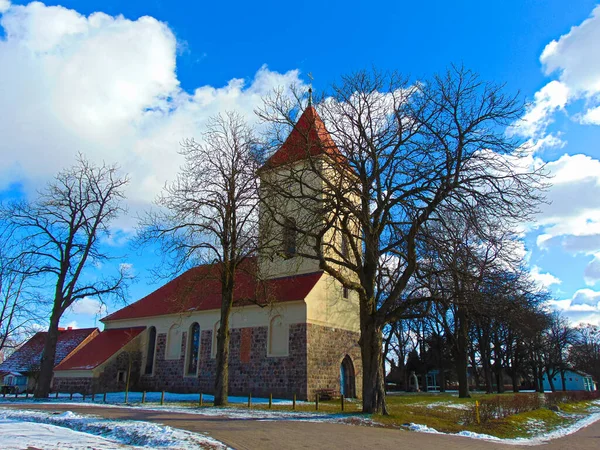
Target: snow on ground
{"type": "Point", "coordinates": [151, 397]}
{"type": "Point", "coordinates": [536, 440]}
{"type": "Point", "coordinates": [463, 406]}
{"type": "Point", "coordinates": [67, 430]}
{"type": "Point", "coordinates": [18, 435]}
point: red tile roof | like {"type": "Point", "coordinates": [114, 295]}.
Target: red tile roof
{"type": "Point", "coordinates": [308, 138]}
{"type": "Point", "coordinates": [99, 349]}
{"type": "Point", "coordinates": [199, 289]}
{"type": "Point", "coordinates": [28, 357]}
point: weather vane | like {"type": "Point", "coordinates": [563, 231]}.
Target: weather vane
{"type": "Point", "coordinates": [310, 76]}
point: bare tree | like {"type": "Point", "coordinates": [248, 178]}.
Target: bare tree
{"type": "Point", "coordinates": [19, 307]}
{"type": "Point", "coordinates": [62, 230]}
{"type": "Point", "coordinates": [210, 215]}
{"type": "Point", "coordinates": [398, 152]}
{"type": "Point", "coordinates": [584, 354]}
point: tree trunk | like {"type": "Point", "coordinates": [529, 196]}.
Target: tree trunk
{"type": "Point", "coordinates": [563, 380]}
{"type": "Point", "coordinates": [550, 380]}
{"type": "Point", "coordinates": [462, 354]}
{"type": "Point", "coordinates": [371, 352]}
{"type": "Point", "coordinates": [44, 383]}
{"type": "Point", "coordinates": [540, 376]}
{"type": "Point", "coordinates": [223, 337]}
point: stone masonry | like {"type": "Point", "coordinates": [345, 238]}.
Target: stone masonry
{"type": "Point", "coordinates": [313, 363]}
{"type": "Point", "coordinates": [327, 347]}
{"type": "Point", "coordinates": [250, 369]}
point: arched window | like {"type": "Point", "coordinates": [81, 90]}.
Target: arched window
{"type": "Point", "coordinates": [150, 351]}
{"type": "Point", "coordinates": [193, 349]}
{"type": "Point", "coordinates": [278, 337]}
{"type": "Point", "coordinates": [290, 236]}
{"type": "Point", "coordinates": [174, 342]}
{"type": "Point", "coordinates": [213, 349]}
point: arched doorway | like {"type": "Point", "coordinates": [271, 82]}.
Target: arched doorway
{"type": "Point", "coordinates": [347, 378]}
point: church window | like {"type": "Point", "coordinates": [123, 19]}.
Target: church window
{"type": "Point", "coordinates": [290, 236]}
{"type": "Point", "coordinates": [193, 349]}
{"type": "Point", "coordinates": [345, 292]}
{"type": "Point", "coordinates": [149, 369]}
{"type": "Point", "coordinates": [213, 350]}
{"type": "Point", "coordinates": [121, 376]}
{"type": "Point", "coordinates": [174, 342]}
{"type": "Point", "coordinates": [278, 337]}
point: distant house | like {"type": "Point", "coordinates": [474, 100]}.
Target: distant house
{"type": "Point", "coordinates": [19, 372]}
{"type": "Point", "coordinates": [574, 381]}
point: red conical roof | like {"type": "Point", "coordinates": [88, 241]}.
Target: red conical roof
{"type": "Point", "coordinates": [308, 138]}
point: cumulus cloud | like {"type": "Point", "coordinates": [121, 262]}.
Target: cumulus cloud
{"type": "Point", "coordinates": [592, 271]}
{"type": "Point", "coordinates": [538, 115]}
{"type": "Point", "coordinates": [88, 307]}
{"type": "Point", "coordinates": [572, 216]}
{"type": "Point", "coordinates": [574, 55]}
{"type": "Point", "coordinates": [106, 86]}
{"type": "Point", "coordinates": [543, 279]}
{"type": "Point", "coordinates": [584, 306]}
{"type": "Point", "coordinates": [4, 5]}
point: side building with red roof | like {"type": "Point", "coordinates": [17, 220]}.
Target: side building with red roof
{"type": "Point", "coordinates": [20, 370]}
{"type": "Point", "coordinates": [294, 329]}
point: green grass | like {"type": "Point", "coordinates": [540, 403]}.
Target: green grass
{"type": "Point", "coordinates": [441, 411]}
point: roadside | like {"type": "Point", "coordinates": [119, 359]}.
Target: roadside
{"type": "Point", "coordinates": [272, 433]}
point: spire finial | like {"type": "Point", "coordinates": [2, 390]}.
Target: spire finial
{"type": "Point", "coordinates": [310, 75]}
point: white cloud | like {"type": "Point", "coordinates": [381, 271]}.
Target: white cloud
{"type": "Point", "coordinates": [572, 216]}
{"type": "Point", "coordinates": [88, 307]}
{"type": "Point", "coordinates": [106, 86]}
{"type": "Point", "coordinates": [538, 115]}
{"type": "Point", "coordinates": [575, 56]}
{"type": "Point", "coordinates": [543, 279]}
{"type": "Point", "coordinates": [592, 271]}
{"type": "Point", "coordinates": [4, 5]}
{"type": "Point", "coordinates": [72, 324]}
{"type": "Point", "coordinates": [584, 306]}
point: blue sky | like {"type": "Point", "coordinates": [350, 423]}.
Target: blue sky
{"type": "Point", "coordinates": [126, 81]}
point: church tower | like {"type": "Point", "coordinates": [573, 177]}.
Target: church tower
{"type": "Point", "coordinates": [292, 186]}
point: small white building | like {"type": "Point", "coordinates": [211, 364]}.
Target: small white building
{"type": "Point", "coordinates": [574, 381]}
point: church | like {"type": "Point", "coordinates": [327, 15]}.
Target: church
{"type": "Point", "coordinates": [301, 341]}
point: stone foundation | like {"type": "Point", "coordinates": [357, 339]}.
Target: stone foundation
{"type": "Point", "coordinates": [250, 369]}
{"type": "Point", "coordinates": [313, 362]}
{"type": "Point", "coordinates": [327, 348]}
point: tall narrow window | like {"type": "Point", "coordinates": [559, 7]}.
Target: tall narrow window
{"type": "Point", "coordinates": [344, 249]}
{"type": "Point", "coordinates": [213, 350]}
{"type": "Point", "coordinates": [289, 238]}
{"type": "Point", "coordinates": [193, 349]}
{"type": "Point", "coordinates": [150, 351]}
{"type": "Point", "coordinates": [278, 337]}
{"type": "Point", "coordinates": [174, 343]}
{"type": "Point", "coordinates": [345, 292]}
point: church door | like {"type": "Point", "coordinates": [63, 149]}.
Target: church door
{"type": "Point", "coordinates": [347, 383]}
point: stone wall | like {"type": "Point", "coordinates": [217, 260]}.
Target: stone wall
{"type": "Point", "coordinates": [250, 369]}
{"type": "Point", "coordinates": [327, 348]}
{"type": "Point", "coordinates": [313, 363]}
{"type": "Point", "coordinates": [79, 385]}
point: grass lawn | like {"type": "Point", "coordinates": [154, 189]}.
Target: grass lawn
{"type": "Point", "coordinates": [447, 413]}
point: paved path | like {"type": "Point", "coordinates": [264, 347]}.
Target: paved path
{"type": "Point", "coordinates": [250, 434]}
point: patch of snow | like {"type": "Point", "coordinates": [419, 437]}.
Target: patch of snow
{"type": "Point", "coordinates": [422, 428]}
{"type": "Point", "coordinates": [119, 432]}
{"type": "Point", "coordinates": [462, 406]}
{"type": "Point", "coordinates": [536, 440]}
{"type": "Point", "coordinates": [16, 435]}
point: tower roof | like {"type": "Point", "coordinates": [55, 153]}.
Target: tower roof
{"type": "Point", "coordinates": [308, 138]}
